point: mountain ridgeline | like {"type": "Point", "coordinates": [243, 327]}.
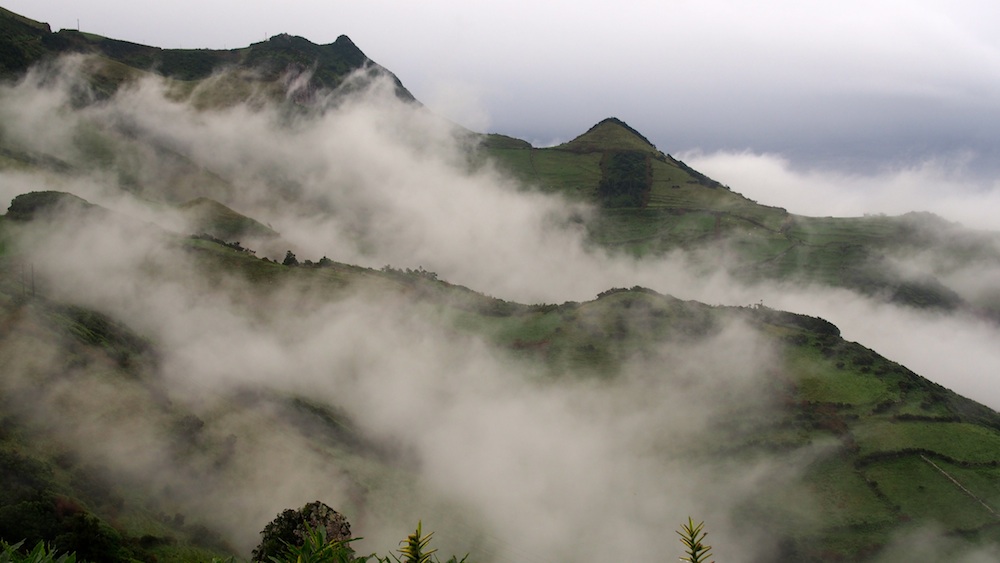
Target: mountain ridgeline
{"type": "Point", "coordinates": [176, 371]}
{"type": "Point", "coordinates": [271, 64]}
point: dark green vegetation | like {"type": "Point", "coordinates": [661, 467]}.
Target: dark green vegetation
{"type": "Point", "coordinates": [626, 179]}
{"type": "Point", "coordinates": [313, 544]}
{"type": "Point", "coordinates": [27, 206]}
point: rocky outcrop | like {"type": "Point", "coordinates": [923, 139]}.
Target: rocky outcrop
{"type": "Point", "coordinates": [291, 527]}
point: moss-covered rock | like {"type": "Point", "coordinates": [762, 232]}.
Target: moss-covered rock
{"type": "Point", "coordinates": [291, 527]}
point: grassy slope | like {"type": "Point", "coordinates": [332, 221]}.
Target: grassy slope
{"type": "Point", "coordinates": [888, 424]}
{"type": "Point", "coordinates": [885, 419]}
{"type": "Point", "coordinates": [211, 217]}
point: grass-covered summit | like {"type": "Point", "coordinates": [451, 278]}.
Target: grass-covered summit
{"type": "Point", "coordinates": [611, 134]}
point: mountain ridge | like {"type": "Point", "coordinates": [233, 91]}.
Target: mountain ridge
{"type": "Point", "coordinates": [24, 42]}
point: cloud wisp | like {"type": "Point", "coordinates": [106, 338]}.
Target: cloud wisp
{"type": "Point", "coordinates": [943, 185]}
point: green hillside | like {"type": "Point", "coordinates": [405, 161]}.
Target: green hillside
{"type": "Point", "coordinates": [899, 449]}
{"type": "Point", "coordinates": [212, 218]}
{"type": "Point", "coordinates": [651, 204]}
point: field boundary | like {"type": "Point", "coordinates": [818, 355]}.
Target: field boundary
{"type": "Point", "coordinates": [959, 485]}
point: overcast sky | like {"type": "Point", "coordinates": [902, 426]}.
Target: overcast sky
{"type": "Point", "coordinates": [849, 86]}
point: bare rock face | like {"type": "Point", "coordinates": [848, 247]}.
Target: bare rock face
{"type": "Point", "coordinates": [290, 528]}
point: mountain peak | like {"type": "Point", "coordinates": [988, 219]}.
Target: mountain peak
{"type": "Point", "coordinates": [24, 42]}
{"type": "Point", "coordinates": [345, 41]}
{"type": "Point", "coordinates": [610, 134]}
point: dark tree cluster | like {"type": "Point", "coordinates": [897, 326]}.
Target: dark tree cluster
{"type": "Point", "coordinates": [234, 245]}
{"type": "Point", "coordinates": [30, 511]}
{"type": "Point", "coordinates": [419, 272]}
{"type": "Point", "coordinates": [626, 180]}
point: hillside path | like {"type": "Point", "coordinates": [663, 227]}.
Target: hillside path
{"type": "Point", "coordinates": [959, 485]}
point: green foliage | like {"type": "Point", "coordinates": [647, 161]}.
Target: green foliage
{"type": "Point", "coordinates": [315, 548]}
{"type": "Point", "coordinates": [627, 179]}
{"type": "Point", "coordinates": [414, 548]}
{"type": "Point", "coordinates": [233, 245]}
{"type": "Point", "coordinates": [693, 536]}
{"type": "Point", "coordinates": [12, 553]}
{"type": "Point", "coordinates": [409, 274]}
{"type": "Point", "coordinates": [80, 532]}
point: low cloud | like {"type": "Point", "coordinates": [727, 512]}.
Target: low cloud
{"type": "Point", "coordinates": [930, 543]}
{"type": "Point", "coordinates": [486, 443]}
{"type": "Point", "coordinates": [478, 442]}
{"type": "Point", "coordinates": [944, 186]}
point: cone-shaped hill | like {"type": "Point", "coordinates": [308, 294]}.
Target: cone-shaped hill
{"type": "Point", "coordinates": [611, 134]}
{"type": "Point", "coordinates": [616, 166]}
